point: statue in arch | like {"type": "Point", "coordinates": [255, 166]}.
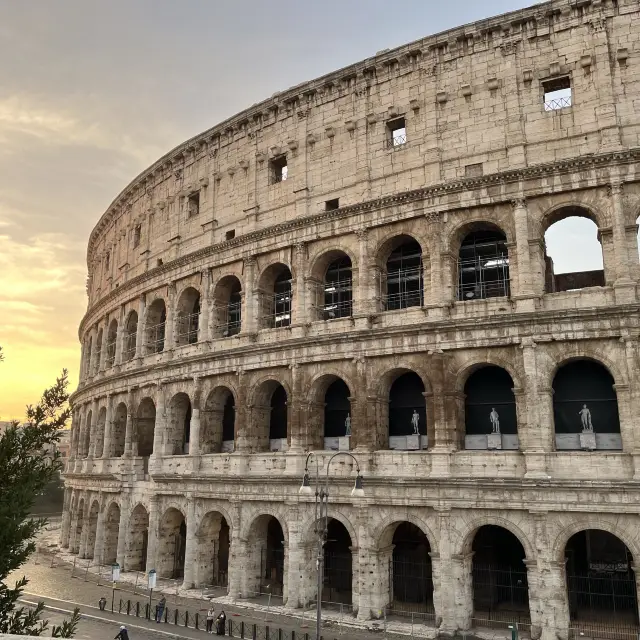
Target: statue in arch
{"type": "Point", "coordinates": [494, 416]}
{"type": "Point", "coordinates": [347, 425]}
{"type": "Point", "coordinates": [585, 417]}
{"type": "Point", "coordinates": [415, 422]}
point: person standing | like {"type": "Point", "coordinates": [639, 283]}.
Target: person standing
{"type": "Point", "coordinates": [160, 608]}
{"type": "Point", "coordinates": [211, 616]}
{"type": "Point", "coordinates": [220, 623]}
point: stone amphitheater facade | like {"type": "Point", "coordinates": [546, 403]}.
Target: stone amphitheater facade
{"type": "Point", "coordinates": [370, 245]}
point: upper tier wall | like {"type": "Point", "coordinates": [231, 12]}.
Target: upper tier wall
{"type": "Point", "coordinates": [473, 103]}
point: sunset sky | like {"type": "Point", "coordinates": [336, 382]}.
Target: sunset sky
{"type": "Point", "coordinates": [93, 92]}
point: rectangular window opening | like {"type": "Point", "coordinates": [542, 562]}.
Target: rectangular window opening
{"type": "Point", "coordinates": [230, 235]}
{"type": "Point", "coordinates": [396, 132]}
{"type": "Point", "coordinates": [279, 169]}
{"type": "Point", "coordinates": [193, 205]}
{"type": "Point", "coordinates": [557, 93]}
{"type": "Point", "coordinates": [332, 205]}
{"type": "Point", "coordinates": [137, 233]}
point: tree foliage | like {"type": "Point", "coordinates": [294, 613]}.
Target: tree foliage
{"type": "Point", "coordinates": [29, 460]}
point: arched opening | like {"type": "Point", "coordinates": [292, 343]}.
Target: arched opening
{"type": "Point", "coordinates": [88, 354]}
{"type": "Point", "coordinates": [276, 297]}
{"type": "Point", "coordinates": [411, 579]}
{"type": "Point", "coordinates": [278, 418]}
{"type": "Point", "coordinates": [111, 531]}
{"type": "Point", "coordinates": [130, 337]}
{"type": "Point", "coordinates": [337, 289]}
{"type": "Point", "coordinates": [337, 416]}
{"type": "Point", "coordinates": [145, 427]}
{"type": "Point", "coordinates": [402, 284]}
{"type": "Point", "coordinates": [78, 528]}
{"type": "Point", "coordinates": [269, 415]}
{"type": "Point", "coordinates": [155, 326]}
{"type": "Point", "coordinates": [136, 551]}
{"type": "Point", "coordinates": [86, 436]}
{"type": "Point", "coordinates": [338, 573]}
{"type": "Point", "coordinates": [585, 407]}
{"type": "Point", "coordinates": [483, 265]}
{"type": "Point", "coordinates": [119, 430]}
{"type": "Point", "coordinates": [188, 309]}
{"type": "Point", "coordinates": [218, 422]}
{"type": "Point", "coordinates": [98, 350]}
{"type": "Point", "coordinates": [227, 300]}
{"type": "Point", "coordinates": [407, 413]}
{"type": "Point", "coordinates": [179, 425]}
{"type": "Point", "coordinates": [265, 558]}
{"type": "Point", "coordinates": [573, 251]}
{"type": "Point", "coordinates": [112, 338]}
{"type": "Point", "coordinates": [213, 550]}
{"type": "Point", "coordinates": [99, 432]}
{"type": "Point", "coordinates": [490, 410]}
{"type": "Point", "coordinates": [500, 587]}
{"type": "Point", "coordinates": [92, 530]}
{"type": "Point", "coordinates": [601, 585]}
{"type": "Point", "coordinates": [171, 544]}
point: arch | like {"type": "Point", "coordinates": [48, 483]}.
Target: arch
{"type": "Point", "coordinates": [405, 409]}
{"type": "Point", "coordinates": [188, 316]}
{"type": "Point", "coordinates": [218, 421]}
{"type": "Point", "coordinates": [98, 350]}
{"type": "Point", "coordinates": [600, 580]}
{"type": "Point", "coordinates": [332, 271]}
{"type": "Point", "coordinates": [276, 294]}
{"type": "Point", "coordinates": [138, 539]}
{"type": "Point", "coordinates": [483, 261]}
{"type": "Point", "coordinates": [99, 432]}
{"type": "Point", "coordinates": [383, 532]}
{"type": "Point", "coordinates": [270, 415]}
{"type": "Point", "coordinates": [119, 430]}
{"type": "Point", "coordinates": [145, 428]}
{"type": "Point", "coordinates": [265, 561]}
{"type": "Point", "coordinates": [79, 526]}
{"type": "Point", "coordinates": [490, 409]}
{"type": "Point", "coordinates": [573, 223]}
{"type": "Point", "coordinates": [179, 424]}
{"type": "Point", "coordinates": [129, 342]}
{"type": "Point", "coordinates": [401, 285]}
{"type": "Point", "coordinates": [338, 564]}
{"type": "Point", "coordinates": [573, 208]}
{"type": "Point", "coordinates": [227, 303]}
{"type": "Point", "coordinates": [585, 406]}
{"type": "Point", "coordinates": [111, 532]}
{"type": "Point", "coordinates": [337, 410]}
{"type": "Point", "coordinates": [92, 530]}
{"type": "Point", "coordinates": [86, 441]}
{"type": "Point", "coordinates": [499, 575]}
{"type": "Point", "coordinates": [88, 355]}
{"type": "Point", "coordinates": [156, 318]}
{"type": "Point", "coordinates": [213, 545]}
{"type": "Point", "coordinates": [112, 338]}
{"type": "Point", "coordinates": [172, 537]}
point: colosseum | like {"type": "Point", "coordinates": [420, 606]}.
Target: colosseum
{"type": "Point", "coordinates": [351, 278]}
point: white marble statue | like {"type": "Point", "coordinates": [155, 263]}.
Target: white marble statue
{"type": "Point", "coordinates": [495, 421]}
{"type": "Point", "coordinates": [415, 421]}
{"type": "Point", "coordinates": [347, 425]}
{"type": "Point", "coordinates": [585, 417]}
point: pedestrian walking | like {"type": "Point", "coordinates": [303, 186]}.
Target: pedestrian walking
{"type": "Point", "coordinates": [123, 634]}
{"type": "Point", "coordinates": [220, 623]}
{"type": "Point", "coordinates": [211, 616]}
{"type": "Point", "coordinates": [162, 603]}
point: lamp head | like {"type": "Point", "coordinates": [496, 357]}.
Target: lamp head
{"type": "Point", "coordinates": [305, 488]}
{"type": "Point", "coordinates": [357, 491]}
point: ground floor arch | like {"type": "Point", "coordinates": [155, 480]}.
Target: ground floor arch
{"type": "Point", "coordinates": [111, 533]}
{"type": "Point", "coordinates": [138, 540]}
{"type": "Point", "coordinates": [499, 576]}
{"type": "Point", "coordinates": [214, 541]}
{"type": "Point", "coordinates": [266, 557]}
{"type": "Point", "coordinates": [79, 525]}
{"type": "Point", "coordinates": [601, 584]}
{"type": "Point", "coordinates": [337, 584]}
{"type": "Point", "coordinates": [172, 540]}
{"type": "Point", "coordinates": [92, 530]}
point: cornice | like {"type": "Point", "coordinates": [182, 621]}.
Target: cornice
{"type": "Point", "coordinates": [627, 156]}
{"type": "Point", "coordinates": [503, 31]}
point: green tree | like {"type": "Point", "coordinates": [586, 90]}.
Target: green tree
{"type": "Point", "coordinates": [29, 460]}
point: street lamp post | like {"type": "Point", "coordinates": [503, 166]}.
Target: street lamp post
{"type": "Point", "coordinates": [321, 517]}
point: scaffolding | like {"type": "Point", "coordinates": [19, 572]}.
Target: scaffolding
{"type": "Point", "coordinates": [111, 353]}
{"type": "Point", "coordinates": [276, 307]}
{"type": "Point", "coordinates": [402, 284]}
{"type": "Point", "coordinates": [483, 269]}
{"type": "Point", "coordinates": [129, 344]}
{"type": "Point", "coordinates": [334, 299]}
{"type": "Point", "coordinates": [228, 320]}
{"type": "Point", "coordinates": [155, 338]}
{"type": "Point", "coordinates": [188, 324]}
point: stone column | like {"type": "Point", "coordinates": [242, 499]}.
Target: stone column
{"type": "Point", "coordinates": [99, 543]}
{"type": "Point", "coordinates": [128, 430]}
{"type": "Point", "coordinates": [362, 303]}
{"type": "Point", "coordinates": [548, 599]}
{"type": "Point", "coordinates": [194, 435]}
{"type": "Point", "coordinates": [521, 223]}
{"type": "Point", "coordinates": [120, 337]}
{"type": "Point", "coordinates": [191, 545]}
{"type": "Point", "coordinates": [170, 322]}
{"type": "Point", "coordinates": [360, 438]}
{"type": "Point", "coordinates": [103, 349]}
{"type": "Point", "coordinates": [449, 275]}
{"type": "Point", "coordinates": [92, 429]}
{"type": "Point", "coordinates": [161, 423]}
{"type": "Point", "coordinates": [237, 579]}
{"type": "Point", "coordinates": [66, 518]}
{"type": "Point", "coordinates": [250, 310]}
{"type": "Point", "coordinates": [301, 316]}
{"type": "Point", "coordinates": [625, 287]}
{"type": "Point", "coordinates": [84, 533]}
{"type": "Point", "coordinates": [152, 541]}
{"type": "Point", "coordinates": [241, 423]}
{"type": "Point", "coordinates": [205, 307]}
{"type": "Point", "coordinates": [295, 435]}
{"type": "Point", "coordinates": [123, 534]}
{"type": "Point", "coordinates": [140, 327]}
{"type": "Point", "coordinates": [108, 429]}
{"type": "Point", "coordinates": [295, 563]}
{"type": "Point", "coordinates": [461, 572]}
{"type": "Point", "coordinates": [434, 230]}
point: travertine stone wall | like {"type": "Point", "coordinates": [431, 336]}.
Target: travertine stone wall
{"type": "Point", "coordinates": [481, 152]}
